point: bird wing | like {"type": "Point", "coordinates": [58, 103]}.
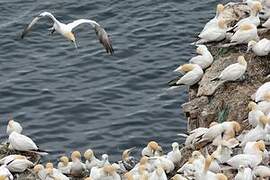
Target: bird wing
{"type": "Point", "coordinates": [34, 21]}
{"type": "Point", "coordinates": [232, 71]}
{"type": "Point", "coordinates": [102, 35]}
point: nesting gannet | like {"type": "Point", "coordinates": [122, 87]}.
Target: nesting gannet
{"type": "Point", "coordinates": [264, 105]}
{"type": "Point", "coordinates": [261, 48]}
{"type": "Point", "coordinates": [255, 147]}
{"type": "Point", "coordinates": [253, 18]}
{"type": "Point", "coordinates": [150, 149]}
{"type": "Point", "coordinates": [261, 92]}
{"type": "Point", "coordinates": [206, 174]}
{"type": "Point", "coordinates": [244, 34]}
{"type": "Point", "coordinates": [64, 165]}
{"type": "Point", "coordinates": [175, 155]}
{"type": "Point", "coordinates": [193, 75]}
{"type": "Point", "coordinates": [158, 174]}
{"type": "Point", "coordinates": [254, 114]}
{"type": "Point", "coordinates": [39, 170]}
{"type": "Point", "coordinates": [262, 172]}
{"type": "Point", "coordinates": [23, 143]}
{"type": "Point", "coordinates": [187, 169]}
{"type": "Point", "coordinates": [214, 22]}
{"type": "Point", "coordinates": [247, 160]}
{"type": "Point", "coordinates": [5, 173]}
{"type": "Point", "coordinates": [67, 30]}
{"type": "Point", "coordinates": [106, 172]}
{"type": "Point", "coordinates": [244, 173]}
{"type": "Point", "coordinates": [214, 34]}
{"type": "Point", "coordinates": [128, 162]}
{"type": "Point", "coordinates": [17, 163]}
{"type": "Point", "coordinates": [204, 59]}
{"type": "Point", "coordinates": [141, 173]}
{"type": "Point", "coordinates": [54, 173]}
{"type": "Point", "coordinates": [222, 153]}
{"type": "Point", "coordinates": [258, 133]}
{"type": "Point", "coordinates": [234, 71]}
{"type": "Point", "coordinates": [91, 160]}
{"type": "Point", "coordinates": [77, 167]}
{"type": "Point", "coordinates": [13, 126]}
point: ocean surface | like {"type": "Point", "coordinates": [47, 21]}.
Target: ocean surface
{"type": "Point", "coordinates": [68, 99]}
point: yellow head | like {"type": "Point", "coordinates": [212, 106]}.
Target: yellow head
{"type": "Point", "coordinates": [70, 36]}
{"type": "Point", "coordinates": [236, 126]}
{"type": "Point", "coordinates": [3, 177]}
{"type": "Point", "coordinates": [143, 160]}
{"type": "Point", "coordinates": [88, 154]}
{"type": "Point", "coordinates": [153, 145]}
{"type": "Point", "coordinates": [128, 176]}
{"type": "Point", "coordinates": [246, 27]}
{"type": "Point", "coordinates": [220, 8]}
{"type": "Point", "coordinates": [213, 124]}
{"type": "Point", "coordinates": [126, 153]}
{"type": "Point", "coordinates": [241, 60]}
{"type": "Point", "coordinates": [264, 120]}
{"type": "Point", "coordinates": [260, 145]}
{"type": "Point", "coordinates": [64, 160]}
{"type": "Point", "coordinates": [221, 176]}
{"type": "Point", "coordinates": [257, 7]}
{"type": "Point", "coordinates": [75, 154]}
{"type": "Point", "coordinates": [38, 168]}
{"type": "Point", "coordinates": [49, 165]}
{"type": "Point", "coordinates": [252, 106]}
{"type": "Point", "coordinates": [267, 96]}
{"type": "Point", "coordinates": [109, 169]}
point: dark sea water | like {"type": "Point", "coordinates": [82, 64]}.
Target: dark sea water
{"type": "Point", "coordinates": [73, 100]}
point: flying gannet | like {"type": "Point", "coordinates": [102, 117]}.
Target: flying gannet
{"type": "Point", "coordinates": [67, 30]}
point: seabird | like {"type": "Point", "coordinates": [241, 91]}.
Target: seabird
{"type": "Point", "coordinates": [67, 30]}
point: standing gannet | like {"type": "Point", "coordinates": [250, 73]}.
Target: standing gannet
{"type": "Point", "coordinates": [258, 133]}
{"type": "Point", "coordinates": [261, 48]}
{"type": "Point", "coordinates": [64, 165]}
{"type": "Point", "coordinates": [253, 18]}
{"type": "Point", "coordinates": [263, 172]}
{"type": "Point", "coordinates": [23, 143]}
{"type": "Point", "coordinates": [193, 75]}
{"type": "Point", "coordinates": [244, 34]}
{"type": "Point", "coordinates": [214, 22]}
{"type": "Point", "coordinates": [214, 33]}
{"type": "Point", "coordinates": [90, 160]}
{"type": "Point", "coordinates": [67, 30]}
{"type": "Point", "coordinates": [77, 167]}
{"type": "Point", "coordinates": [150, 149]}
{"type": "Point", "coordinates": [260, 94]}
{"type": "Point", "coordinates": [175, 155]}
{"type": "Point", "coordinates": [204, 59]}
{"type": "Point", "coordinates": [14, 126]}
{"type": "Point", "coordinates": [234, 71]}
{"type": "Point", "coordinates": [244, 173]}
{"type": "Point", "coordinates": [254, 114]}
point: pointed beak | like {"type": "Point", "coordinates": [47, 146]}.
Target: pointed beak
{"type": "Point", "coordinates": [75, 44]}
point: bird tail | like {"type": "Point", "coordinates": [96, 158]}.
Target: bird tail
{"type": "Point", "coordinates": [40, 152]}
{"type": "Point", "coordinates": [173, 82]}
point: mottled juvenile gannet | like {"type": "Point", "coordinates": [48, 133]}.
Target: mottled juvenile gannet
{"type": "Point", "coordinates": [67, 30]}
{"type": "Point", "coordinates": [261, 48]}
{"type": "Point", "coordinates": [234, 71]}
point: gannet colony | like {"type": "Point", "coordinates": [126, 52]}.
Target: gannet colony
{"type": "Point", "coordinates": [217, 147]}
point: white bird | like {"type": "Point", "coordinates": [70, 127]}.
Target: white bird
{"type": "Point", "coordinates": [214, 33]}
{"type": "Point", "coordinates": [194, 135]}
{"type": "Point", "coordinates": [247, 160]}
{"type": "Point", "coordinates": [17, 163]}
{"type": "Point", "coordinates": [244, 173]}
{"type": "Point", "coordinates": [258, 133]}
{"type": "Point", "coordinates": [158, 174]}
{"type": "Point", "coordinates": [5, 173]}
{"type": "Point", "coordinates": [214, 22]}
{"type": "Point", "coordinates": [264, 105]}
{"type": "Point", "coordinates": [13, 126]}
{"type": "Point", "coordinates": [254, 114]}
{"type": "Point", "coordinates": [77, 167]}
{"type": "Point", "coordinates": [260, 94]}
{"type": "Point", "coordinates": [254, 147]}
{"type": "Point", "coordinates": [91, 160]}
{"type": "Point", "coordinates": [23, 143]}
{"type": "Point", "coordinates": [164, 162]}
{"type": "Point", "coordinates": [204, 59]}
{"type": "Point", "coordinates": [39, 170]}
{"type": "Point", "coordinates": [64, 165]}
{"type": "Point", "coordinates": [222, 153]}
{"type": "Point", "coordinates": [193, 75]}
{"type": "Point", "coordinates": [54, 173]}
{"type": "Point", "coordinates": [261, 48]}
{"type": "Point", "coordinates": [244, 34]}
{"type": "Point", "coordinates": [234, 71]}
{"type": "Point", "coordinates": [150, 149]}
{"type": "Point", "coordinates": [175, 155]}
{"type": "Point", "coordinates": [262, 171]}
{"type": "Point", "coordinates": [253, 18]}
{"type": "Point", "coordinates": [128, 162]}
{"type": "Point", "coordinates": [66, 30]}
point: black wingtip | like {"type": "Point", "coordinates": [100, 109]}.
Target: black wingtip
{"type": "Point", "coordinates": [214, 79]}
{"type": "Point", "coordinates": [173, 82]}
